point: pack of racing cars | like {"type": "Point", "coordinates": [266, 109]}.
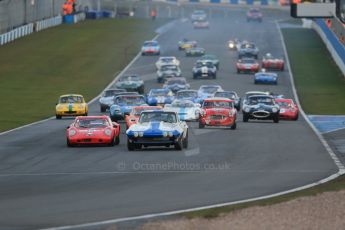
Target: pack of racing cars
{"type": "Point", "coordinates": [158, 116]}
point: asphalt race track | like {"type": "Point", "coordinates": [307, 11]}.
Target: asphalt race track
{"type": "Point", "coordinates": [45, 184]}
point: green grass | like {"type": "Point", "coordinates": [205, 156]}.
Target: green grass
{"type": "Point", "coordinates": [319, 82]}
{"type": "Point", "coordinates": [80, 58]}
{"type": "Point", "coordinates": [334, 185]}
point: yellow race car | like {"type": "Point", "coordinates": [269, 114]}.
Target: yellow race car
{"type": "Point", "coordinates": [186, 44]}
{"type": "Point", "coordinates": [71, 105]}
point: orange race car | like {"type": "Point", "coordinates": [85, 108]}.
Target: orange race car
{"type": "Point", "coordinates": [134, 115]}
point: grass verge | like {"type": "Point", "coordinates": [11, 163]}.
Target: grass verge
{"type": "Point", "coordinates": [319, 82]}
{"type": "Point", "coordinates": [80, 58]}
{"type": "Point", "coordinates": [334, 185]}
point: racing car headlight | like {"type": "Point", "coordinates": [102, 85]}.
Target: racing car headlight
{"type": "Point", "coordinates": [165, 134]}
{"type": "Point", "coordinates": [246, 109]}
{"type": "Point", "coordinates": [170, 134]}
{"type": "Point", "coordinates": [274, 110]}
{"type": "Point", "coordinates": [230, 113]}
{"type": "Point", "coordinates": [107, 132]}
{"type": "Point", "coordinates": [135, 134]}
{"type": "Point", "coordinates": [141, 134]}
{"type": "Point", "coordinates": [72, 132]}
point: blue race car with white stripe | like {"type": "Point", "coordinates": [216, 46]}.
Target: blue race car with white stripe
{"type": "Point", "coordinates": [123, 105]}
{"type": "Point", "coordinates": [160, 97]}
{"type": "Point", "coordinates": [266, 78]}
{"type": "Point", "coordinates": [158, 128]}
{"type": "Point", "coordinates": [186, 110]}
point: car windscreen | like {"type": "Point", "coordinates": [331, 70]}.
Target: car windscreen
{"type": "Point", "coordinates": [150, 44]}
{"type": "Point", "coordinates": [169, 67]}
{"type": "Point", "coordinates": [261, 100]}
{"type": "Point", "coordinates": [248, 46]}
{"type": "Point", "coordinates": [167, 59]}
{"type": "Point", "coordinates": [248, 61]}
{"type": "Point", "coordinates": [225, 94]}
{"type": "Point", "coordinates": [71, 99]}
{"type": "Point", "coordinates": [110, 93]}
{"type": "Point", "coordinates": [123, 100]}
{"type": "Point", "coordinates": [92, 123]}
{"type": "Point", "coordinates": [130, 78]}
{"type": "Point", "coordinates": [217, 104]}
{"type": "Point", "coordinates": [209, 89]}
{"type": "Point", "coordinates": [182, 94]}
{"type": "Point", "coordinates": [182, 104]}
{"type": "Point", "coordinates": [206, 64]}
{"type": "Point", "coordinates": [176, 81]}
{"type": "Point", "coordinates": [157, 117]}
{"type": "Point", "coordinates": [159, 93]}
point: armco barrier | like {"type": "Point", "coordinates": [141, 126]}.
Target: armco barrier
{"type": "Point", "coordinates": [16, 33]}
{"type": "Point", "coordinates": [28, 29]}
{"type": "Point", "coordinates": [333, 44]}
{"type": "Point", "coordinates": [47, 23]}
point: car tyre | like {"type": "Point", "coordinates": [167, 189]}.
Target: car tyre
{"type": "Point", "coordinates": [276, 119]}
{"type": "Point", "coordinates": [185, 141]}
{"type": "Point", "coordinates": [102, 109]}
{"type": "Point", "coordinates": [245, 117]}
{"type": "Point", "coordinates": [234, 126]}
{"type": "Point", "coordinates": [69, 143]}
{"type": "Point", "coordinates": [179, 144]}
{"type": "Point", "coordinates": [58, 117]}
{"type": "Point", "coordinates": [117, 140]}
{"type": "Point", "coordinates": [130, 146]}
{"type": "Point", "coordinates": [201, 125]}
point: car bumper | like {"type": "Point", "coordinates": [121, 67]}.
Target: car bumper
{"type": "Point", "coordinates": [153, 141]}
{"type": "Point", "coordinates": [227, 121]}
{"type": "Point", "coordinates": [90, 140]}
{"type": "Point", "coordinates": [71, 113]}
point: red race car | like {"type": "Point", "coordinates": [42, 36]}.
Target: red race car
{"type": "Point", "coordinates": [93, 130]}
{"type": "Point", "coordinates": [288, 109]}
{"type": "Point", "coordinates": [271, 62]}
{"type": "Point", "coordinates": [134, 115]}
{"type": "Point", "coordinates": [218, 112]}
{"type": "Point", "coordinates": [247, 65]}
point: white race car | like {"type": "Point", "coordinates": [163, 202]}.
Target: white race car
{"type": "Point", "coordinates": [167, 61]}
{"type": "Point", "coordinates": [186, 109]}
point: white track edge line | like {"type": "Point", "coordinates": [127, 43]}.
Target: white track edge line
{"type": "Point", "coordinates": [334, 157]}
{"type": "Point", "coordinates": [155, 215]}
{"type": "Point", "coordinates": [341, 171]}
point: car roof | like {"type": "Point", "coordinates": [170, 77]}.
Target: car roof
{"type": "Point", "coordinates": [218, 99]}
{"type": "Point", "coordinates": [72, 94]}
{"type": "Point", "coordinates": [268, 96]}
{"type": "Point", "coordinates": [258, 92]}
{"type": "Point", "coordinates": [92, 117]}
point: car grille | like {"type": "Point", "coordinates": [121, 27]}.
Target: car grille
{"type": "Point", "coordinates": [217, 117]}
{"type": "Point", "coordinates": [153, 139]}
{"type": "Point", "coordinates": [261, 114]}
{"type": "Point", "coordinates": [70, 112]}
